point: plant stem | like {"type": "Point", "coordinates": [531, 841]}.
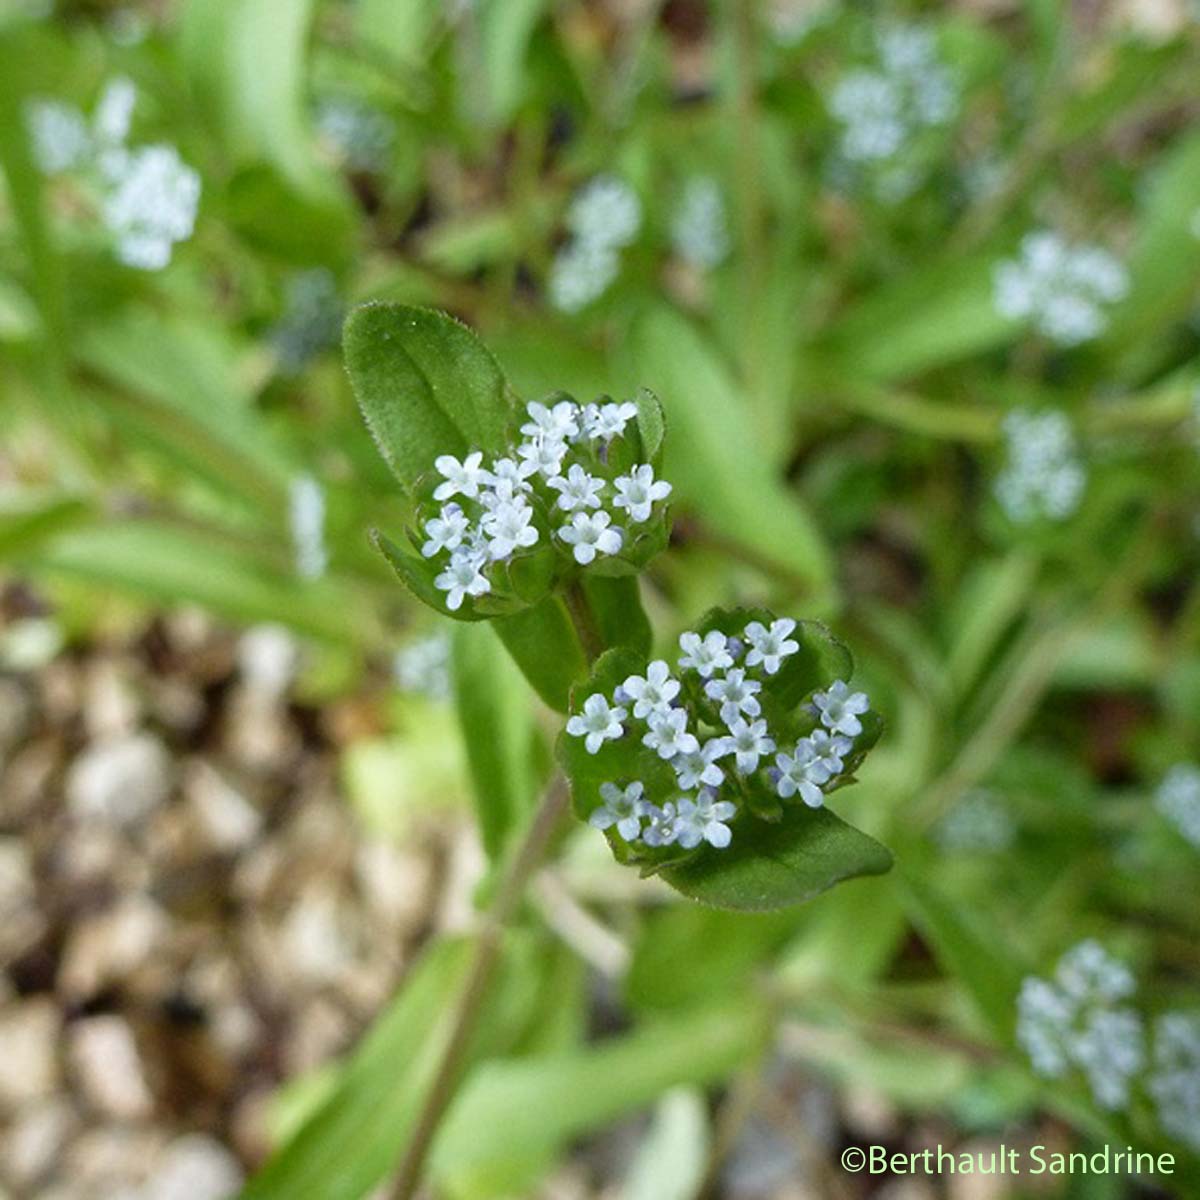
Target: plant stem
{"type": "Point", "coordinates": [584, 619]}
{"type": "Point", "coordinates": [470, 1001]}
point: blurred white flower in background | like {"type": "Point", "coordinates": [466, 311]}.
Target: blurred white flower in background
{"type": "Point", "coordinates": [1174, 1081]}
{"type": "Point", "coordinates": [423, 667]}
{"type": "Point", "coordinates": [147, 195]}
{"type": "Point", "coordinates": [699, 230]}
{"type": "Point", "coordinates": [1060, 288]}
{"type": "Point", "coordinates": [307, 512]}
{"type": "Point", "coordinates": [152, 204]}
{"type": "Point", "coordinates": [910, 89]}
{"type": "Point", "coordinates": [978, 823]}
{"type": "Point", "coordinates": [1178, 799]}
{"type": "Point", "coordinates": [1043, 477]}
{"type": "Point", "coordinates": [355, 133]}
{"type": "Point", "coordinates": [1073, 1021]}
{"type": "Point", "coordinates": [604, 216]}
{"type": "Point", "coordinates": [790, 21]}
{"type": "Point", "coordinates": [311, 320]}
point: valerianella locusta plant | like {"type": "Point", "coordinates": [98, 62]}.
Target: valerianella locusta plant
{"type": "Point", "coordinates": [709, 766]}
{"type": "Point", "coordinates": [1043, 478]}
{"type": "Point", "coordinates": [1062, 290]}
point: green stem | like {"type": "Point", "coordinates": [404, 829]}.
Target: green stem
{"type": "Point", "coordinates": [579, 607]}
{"type": "Point", "coordinates": [471, 999]}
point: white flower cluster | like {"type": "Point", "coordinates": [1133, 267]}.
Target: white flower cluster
{"type": "Point", "coordinates": [911, 89]}
{"type": "Point", "coordinates": [603, 218]}
{"type": "Point", "coordinates": [148, 196]}
{"type": "Point", "coordinates": [491, 512]}
{"type": "Point", "coordinates": [306, 511]}
{"type": "Point", "coordinates": [742, 747]}
{"type": "Point", "coordinates": [1075, 1021]}
{"type": "Point", "coordinates": [1178, 799]}
{"type": "Point", "coordinates": [311, 320]}
{"type": "Point", "coordinates": [1062, 289]}
{"type": "Point", "coordinates": [1174, 1082]}
{"type": "Point", "coordinates": [1043, 477]}
{"type": "Point", "coordinates": [423, 667]}
{"type": "Point", "coordinates": [699, 231]}
{"type": "Point", "coordinates": [357, 134]}
{"type": "Point", "coordinates": [979, 823]}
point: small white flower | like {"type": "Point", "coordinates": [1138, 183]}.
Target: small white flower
{"type": "Point", "coordinates": [748, 741]}
{"type": "Point", "coordinates": [599, 722]}
{"type": "Point", "coordinates": [663, 827]}
{"type": "Point", "coordinates": [705, 655]}
{"type": "Point", "coordinates": [699, 231]}
{"type": "Point", "coordinates": [576, 489]}
{"type": "Point", "coordinates": [59, 135]}
{"type": "Point", "coordinates": [735, 694]}
{"type": "Point", "coordinates": [703, 820]}
{"type": "Point", "coordinates": [445, 532]}
{"type": "Point", "coordinates": [542, 456]}
{"type": "Point", "coordinates": [607, 421]}
{"type": "Point", "coordinates": [581, 272]}
{"type": "Point", "coordinates": [590, 534]}
{"type": "Point", "coordinates": [770, 646]}
{"type": "Point", "coordinates": [423, 667]}
{"type": "Point", "coordinates": [510, 476]}
{"type": "Point", "coordinates": [606, 212]}
{"type": "Point", "coordinates": [462, 578]}
{"type": "Point", "coordinates": [114, 111]}
{"type": "Point", "coordinates": [669, 734]}
{"type": "Point", "coordinates": [150, 204]}
{"type": "Point", "coordinates": [638, 491]}
{"type": "Point", "coordinates": [839, 708]}
{"type": "Point", "coordinates": [797, 774]}
{"type": "Point", "coordinates": [558, 424]}
{"type": "Point", "coordinates": [653, 693]}
{"type": "Point", "coordinates": [1178, 799]}
{"type": "Point", "coordinates": [306, 511]}
{"type": "Point", "coordinates": [1175, 1081]}
{"type": "Point", "coordinates": [1089, 974]}
{"type": "Point", "coordinates": [827, 754]}
{"type": "Point", "coordinates": [622, 807]}
{"type": "Point", "coordinates": [508, 527]}
{"type": "Point", "coordinates": [1043, 476]}
{"type": "Point", "coordinates": [462, 478]}
{"type": "Point", "coordinates": [700, 766]}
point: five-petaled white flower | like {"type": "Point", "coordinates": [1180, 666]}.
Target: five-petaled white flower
{"type": "Point", "coordinates": [445, 532]}
{"type": "Point", "coordinates": [461, 478]}
{"type": "Point", "coordinates": [799, 773]}
{"type": "Point", "coordinates": [669, 734]}
{"type": "Point", "coordinates": [700, 767]}
{"type": "Point", "coordinates": [622, 807]}
{"type": "Point", "coordinates": [827, 753]}
{"type": "Point", "coordinates": [747, 742]}
{"type": "Point", "coordinates": [705, 655]}
{"type": "Point", "coordinates": [735, 694]}
{"type": "Point", "coordinates": [637, 492]}
{"type": "Point", "coordinates": [663, 827]}
{"type": "Point", "coordinates": [840, 709]}
{"type": "Point", "coordinates": [558, 424]}
{"type": "Point", "coordinates": [576, 489]}
{"type": "Point", "coordinates": [652, 693]}
{"type": "Point", "coordinates": [607, 421]}
{"type": "Point", "coordinates": [597, 723]}
{"type": "Point", "coordinates": [508, 527]}
{"type": "Point", "coordinates": [510, 475]}
{"type": "Point", "coordinates": [462, 578]}
{"type": "Point", "coordinates": [770, 646]}
{"type": "Point", "coordinates": [542, 456]}
{"type": "Point", "coordinates": [703, 820]}
{"type": "Point", "coordinates": [590, 534]}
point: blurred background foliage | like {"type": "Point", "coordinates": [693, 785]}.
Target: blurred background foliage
{"type": "Point", "coordinates": [792, 221]}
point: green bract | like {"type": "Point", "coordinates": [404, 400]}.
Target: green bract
{"type": "Point", "coordinates": [782, 851]}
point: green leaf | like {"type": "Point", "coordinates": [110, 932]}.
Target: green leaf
{"type": "Point", "coordinates": [543, 643]}
{"type": "Point", "coordinates": [976, 956]}
{"type": "Point", "coordinates": [512, 1111]}
{"type": "Point", "coordinates": [670, 1162]}
{"type": "Point", "coordinates": [414, 573]}
{"type": "Point", "coordinates": [505, 30]}
{"type": "Point", "coordinates": [617, 605]}
{"type": "Point", "coordinates": [771, 865]}
{"type": "Point", "coordinates": [24, 528]}
{"type": "Point", "coordinates": [426, 386]}
{"type": "Point", "coordinates": [498, 732]}
{"type": "Point", "coordinates": [356, 1134]}
{"type": "Point", "coordinates": [652, 425]}
{"type": "Point", "coordinates": [712, 459]}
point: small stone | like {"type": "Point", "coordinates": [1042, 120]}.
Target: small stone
{"type": "Point", "coordinates": [21, 924]}
{"type": "Point", "coordinates": [35, 1140]}
{"type": "Point", "coordinates": [194, 1167]}
{"type": "Point", "coordinates": [105, 1060]}
{"type": "Point", "coordinates": [119, 780]}
{"type": "Point", "coordinates": [29, 1034]}
{"type": "Point", "coordinates": [106, 948]}
{"type": "Point", "coordinates": [317, 937]}
{"type": "Point", "coordinates": [111, 707]}
{"type": "Point", "coordinates": [224, 818]}
{"type": "Point", "coordinates": [268, 658]}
